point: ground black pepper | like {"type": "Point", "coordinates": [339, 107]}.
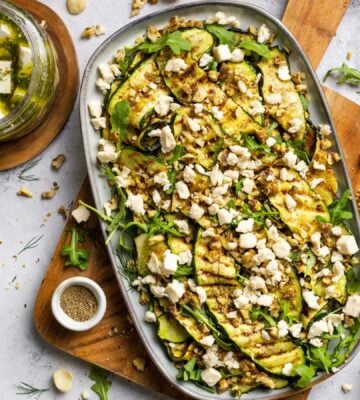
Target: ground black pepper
{"type": "Point", "coordinates": [79, 303]}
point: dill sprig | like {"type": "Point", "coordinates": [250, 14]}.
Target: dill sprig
{"type": "Point", "coordinates": [31, 244]}
{"type": "Point", "coordinates": [27, 168]}
{"type": "Point", "coordinates": [30, 391]}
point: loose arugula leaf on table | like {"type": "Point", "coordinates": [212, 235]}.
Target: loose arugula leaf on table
{"type": "Point", "coordinates": [338, 210]}
{"type": "Point", "coordinates": [222, 34]}
{"type": "Point", "coordinates": [76, 256]}
{"type": "Point", "coordinates": [173, 40]}
{"type": "Point", "coordinates": [102, 384]}
{"type": "Point", "coordinates": [347, 75]}
{"type": "Point", "coordinates": [120, 119]}
{"type": "Point", "coordinates": [30, 391]}
{"type": "Point", "coordinates": [306, 373]}
{"type": "Point", "coordinates": [258, 48]}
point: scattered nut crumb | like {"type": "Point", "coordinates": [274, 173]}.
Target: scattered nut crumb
{"type": "Point", "coordinates": [139, 363]}
{"type": "Point", "coordinates": [85, 395]}
{"type": "Point", "coordinates": [58, 161]}
{"type": "Point", "coordinates": [90, 31]}
{"type": "Point", "coordinates": [76, 6]}
{"type": "Point", "coordinates": [137, 5]}
{"type": "Point", "coordinates": [24, 192]}
{"type": "Point", "coordinates": [43, 24]}
{"type": "Point", "coordinates": [129, 319]}
{"type": "Point", "coordinates": [349, 55]}
{"type": "Point", "coordinates": [63, 380]}
{"type": "Point", "coordinates": [346, 387]}
{"type": "Point", "coordinates": [51, 193]}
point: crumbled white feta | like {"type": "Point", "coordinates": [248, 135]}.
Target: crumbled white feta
{"type": "Point", "coordinates": [175, 290]}
{"type": "Point", "coordinates": [241, 301]}
{"type": "Point", "coordinates": [189, 174]}
{"type": "Point", "coordinates": [155, 195]}
{"type": "Point", "coordinates": [290, 158]}
{"type": "Point", "coordinates": [122, 177]}
{"type": "Point", "coordinates": [182, 190]}
{"type": "Point", "coordinates": [218, 114]}
{"type": "Point", "coordinates": [200, 291]}
{"type": "Point", "coordinates": [221, 19]}
{"type": "Point", "coordinates": [98, 123]}
{"type": "Point", "coordinates": [136, 203]}
{"type": "Point", "coordinates": [230, 362]}
{"type": "Point", "coordinates": [153, 85]}
{"type": "Point", "coordinates": [264, 34]}
{"type": "Point", "coordinates": [237, 55]}
{"type": "Point", "coordinates": [150, 317]}
{"type": "Point", "coordinates": [102, 85]}
{"type": "Point", "coordinates": [336, 231]}
{"type": "Point", "coordinates": [162, 107]}
{"type": "Point", "coordinates": [81, 214]}
{"type": "Point", "coordinates": [283, 328]}
{"type": "Point", "coordinates": [106, 72]}
{"type": "Point", "coordinates": [108, 151]}
{"type": "Point", "coordinates": [318, 166]}
{"type": "Point", "coordinates": [256, 108]}
{"type": "Point", "coordinates": [247, 240]}
{"type": "Point", "coordinates": [232, 159]}
{"type": "Point", "coordinates": [205, 60]}
{"type": "Point", "coordinates": [207, 341]}
{"type": "Point", "coordinates": [216, 176]}
{"type": "Point", "coordinates": [222, 53]}
{"type": "Point", "coordinates": [170, 263]}
{"type": "Point", "coordinates": [242, 86]}
{"type": "Point", "coordinates": [295, 330]}
{"type": "Point", "coordinates": [196, 212]}
{"type": "Point", "coordinates": [265, 336]}
{"type": "Point", "coordinates": [232, 315]}
{"type": "Point", "coordinates": [162, 179]}
{"type": "Point", "coordinates": [311, 299]}
{"type": "Point", "coordinates": [248, 185]}
{"type": "Point", "coordinates": [176, 65]}
{"type": "Point", "coordinates": [225, 217]}
{"type": "Point", "coordinates": [194, 124]}
{"type": "Point", "coordinates": [157, 291]}
{"type": "Point", "coordinates": [347, 245]}
{"type": "Point", "coordinates": [290, 202]}
{"type": "Point", "coordinates": [316, 342]}
{"type": "Point", "coordinates": [352, 307]}
{"type": "Point", "coordinates": [245, 225]}
{"type": "Point", "coordinates": [295, 125]}
{"type": "Point", "coordinates": [318, 328]}
{"type": "Point", "coordinates": [183, 226]}
{"type": "Point", "coordinates": [274, 98]}
{"type": "Point", "coordinates": [213, 209]}
{"type": "Point", "coordinates": [185, 257]}
{"type": "Point", "coordinates": [284, 73]}
{"type": "Point", "coordinates": [288, 369]}
{"type": "Point", "coordinates": [265, 300]}
{"type": "Point", "coordinates": [210, 376]}
{"type": "Point", "coordinates": [256, 282]}
{"type": "Point", "coordinates": [325, 129]}
{"type": "Point", "coordinates": [281, 248]}
{"type": "Point", "coordinates": [95, 108]}
{"type": "Point", "coordinates": [210, 232]}
{"type": "Point", "coordinates": [167, 139]}
{"type": "Point", "coordinates": [316, 182]}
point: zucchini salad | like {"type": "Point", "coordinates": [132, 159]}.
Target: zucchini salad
{"type": "Point", "coordinates": [226, 206]}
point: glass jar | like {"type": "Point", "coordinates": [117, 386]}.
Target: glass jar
{"type": "Point", "coordinates": [44, 79]}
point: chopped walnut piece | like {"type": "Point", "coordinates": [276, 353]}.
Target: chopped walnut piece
{"type": "Point", "coordinates": [58, 161]}
{"type": "Point", "coordinates": [62, 210]}
{"type": "Point", "coordinates": [23, 191]}
{"type": "Point", "coordinates": [51, 193]}
{"type": "Point", "coordinates": [139, 363]}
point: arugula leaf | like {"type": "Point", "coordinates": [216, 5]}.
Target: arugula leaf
{"type": "Point", "coordinates": [258, 48]}
{"type": "Point", "coordinates": [285, 315]}
{"type": "Point", "coordinates": [272, 127]}
{"type": "Point", "coordinates": [306, 373]}
{"type": "Point", "coordinates": [102, 384]}
{"type": "Point", "coordinates": [189, 372]}
{"type": "Point", "coordinates": [120, 119]}
{"type": "Point", "coordinates": [305, 101]}
{"type": "Point", "coordinates": [252, 144]}
{"type": "Point", "coordinates": [171, 173]}
{"type": "Point", "coordinates": [353, 281]}
{"type": "Point", "coordinates": [77, 257]}
{"type": "Point", "coordinates": [320, 358]}
{"type": "Point", "coordinates": [159, 225]}
{"type": "Point", "coordinates": [257, 312]}
{"type": "Point", "coordinates": [260, 216]}
{"type": "Point", "coordinates": [183, 270]}
{"type": "Point", "coordinates": [298, 147]}
{"type": "Point", "coordinates": [222, 34]}
{"type": "Point", "coordinates": [177, 153]}
{"type": "Point", "coordinates": [173, 40]}
{"type": "Point", "coordinates": [347, 75]}
{"type": "Point", "coordinates": [218, 146]}
{"type": "Point", "coordinates": [338, 210]}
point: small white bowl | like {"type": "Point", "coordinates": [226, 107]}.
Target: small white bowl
{"type": "Point", "coordinates": [63, 319]}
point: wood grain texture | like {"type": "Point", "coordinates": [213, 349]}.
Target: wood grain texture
{"type": "Point", "coordinates": [314, 23]}
{"type": "Point", "coordinates": [23, 149]}
{"type": "Point", "coordinates": [113, 344]}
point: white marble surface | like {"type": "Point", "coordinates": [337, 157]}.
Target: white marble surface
{"type": "Point", "coordinates": [23, 354]}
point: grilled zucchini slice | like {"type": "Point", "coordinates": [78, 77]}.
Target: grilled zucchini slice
{"type": "Point", "coordinates": [170, 330]}
{"type": "Point", "coordinates": [290, 106]}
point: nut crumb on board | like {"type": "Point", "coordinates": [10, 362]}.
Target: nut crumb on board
{"type": "Point", "coordinates": [90, 31]}
{"type": "Point", "coordinates": [58, 161]}
{"type": "Point", "coordinates": [139, 363]}
{"type": "Point", "coordinates": [24, 192]}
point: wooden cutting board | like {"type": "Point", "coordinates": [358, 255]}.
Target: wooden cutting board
{"type": "Point", "coordinates": [113, 344]}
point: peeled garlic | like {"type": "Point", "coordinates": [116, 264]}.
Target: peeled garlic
{"type": "Point", "coordinates": [63, 380]}
{"type": "Point", "coordinates": [76, 6]}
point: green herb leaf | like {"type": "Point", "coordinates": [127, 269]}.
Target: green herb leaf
{"type": "Point", "coordinates": [262, 215]}
{"type": "Point", "coordinates": [304, 101]}
{"type": "Point", "coordinates": [173, 40]}
{"type": "Point", "coordinates": [353, 281]}
{"type": "Point", "coordinates": [306, 373]}
{"type": "Point", "coordinates": [347, 75]}
{"type": "Point", "coordinates": [120, 119]}
{"type": "Point", "coordinates": [177, 153]}
{"type": "Point", "coordinates": [183, 270]}
{"type": "Point", "coordinates": [258, 48]}
{"type": "Point", "coordinates": [252, 144]}
{"type": "Point", "coordinates": [171, 173]}
{"type": "Point", "coordinates": [76, 256]}
{"type": "Point", "coordinates": [102, 384]}
{"type": "Point", "coordinates": [299, 150]}
{"type": "Point", "coordinates": [320, 358]}
{"type": "Point", "coordinates": [31, 244]}
{"type": "Point", "coordinates": [257, 312]}
{"type": "Point", "coordinates": [28, 167]}
{"type": "Point", "coordinates": [158, 224]}
{"type": "Point", "coordinates": [338, 210]}
{"type": "Point", "coordinates": [222, 34]}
